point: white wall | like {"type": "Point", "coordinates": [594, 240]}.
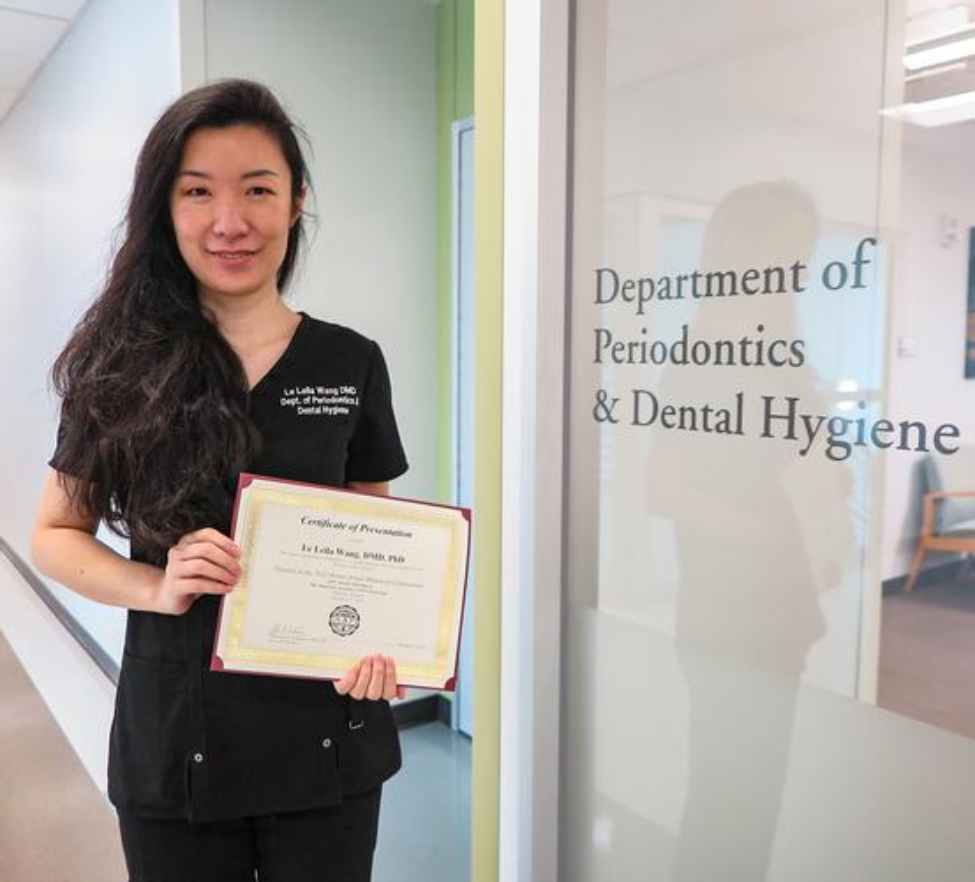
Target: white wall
{"type": "Point", "coordinates": [78, 694]}
{"type": "Point", "coordinates": [929, 305]}
{"type": "Point", "coordinates": [361, 79]}
{"type": "Point", "coordinates": [66, 156]}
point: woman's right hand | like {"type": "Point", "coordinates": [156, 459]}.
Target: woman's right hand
{"type": "Point", "coordinates": [202, 562]}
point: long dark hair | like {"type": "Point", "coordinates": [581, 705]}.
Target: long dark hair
{"type": "Point", "coordinates": [154, 420]}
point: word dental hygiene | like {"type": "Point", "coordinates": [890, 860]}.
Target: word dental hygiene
{"type": "Point", "coordinates": [775, 417]}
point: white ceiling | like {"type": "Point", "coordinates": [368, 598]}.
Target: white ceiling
{"type": "Point", "coordinates": [29, 32]}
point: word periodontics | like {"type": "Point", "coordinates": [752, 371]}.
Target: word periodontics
{"type": "Point", "coordinates": [745, 351]}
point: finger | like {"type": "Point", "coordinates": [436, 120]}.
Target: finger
{"type": "Point", "coordinates": [390, 689]}
{"type": "Point", "coordinates": [344, 685]}
{"type": "Point", "coordinates": [209, 534]}
{"type": "Point", "coordinates": [207, 549]}
{"type": "Point", "coordinates": [198, 568]}
{"type": "Point", "coordinates": [201, 586]}
{"type": "Point", "coordinates": [377, 685]}
{"type": "Point", "coordinates": [210, 552]}
{"type": "Point", "coordinates": [362, 681]}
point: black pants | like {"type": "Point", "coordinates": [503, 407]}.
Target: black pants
{"type": "Point", "coordinates": [335, 844]}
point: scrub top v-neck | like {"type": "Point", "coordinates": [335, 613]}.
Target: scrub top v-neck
{"type": "Point", "coordinates": [191, 743]}
{"type": "Point", "coordinates": [282, 360]}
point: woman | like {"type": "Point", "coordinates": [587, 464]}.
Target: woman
{"type": "Point", "coordinates": [172, 384]}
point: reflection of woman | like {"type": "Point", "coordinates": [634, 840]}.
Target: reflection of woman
{"type": "Point", "coordinates": [753, 595]}
{"type": "Point", "coordinates": [173, 383]}
{"type": "Point", "coordinates": [747, 607]}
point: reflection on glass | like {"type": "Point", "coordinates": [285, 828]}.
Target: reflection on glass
{"type": "Point", "coordinates": [746, 607]}
{"type": "Point", "coordinates": [726, 523]}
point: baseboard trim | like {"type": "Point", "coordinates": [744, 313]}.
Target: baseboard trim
{"type": "Point", "coordinates": [428, 709]}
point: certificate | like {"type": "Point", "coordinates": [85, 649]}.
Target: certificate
{"type": "Point", "coordinates": [329, 576]}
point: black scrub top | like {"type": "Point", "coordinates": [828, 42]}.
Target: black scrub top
{"type": "Point", "coordinates": [190, 743]}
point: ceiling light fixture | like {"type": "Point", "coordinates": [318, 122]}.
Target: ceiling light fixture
{"type": "Point", "coordinates": [937, 112]}
{"type": "Point", "coordinates": [953, 47]}
{"type": "Point", "coordinates": [938, 71]}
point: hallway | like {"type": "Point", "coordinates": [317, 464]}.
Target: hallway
{"type": "Point", "coordinates": [54, 824]}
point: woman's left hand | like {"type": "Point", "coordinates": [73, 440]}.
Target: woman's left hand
{"type": "Point", "coordinates": [371, 678]}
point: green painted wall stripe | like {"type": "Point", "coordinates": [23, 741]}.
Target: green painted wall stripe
{"type": "Point", "coordinates": [470, 68]}
{"type": "Point", "coordinates": [464, 70]}
{"type": "Point", "coordinates": [488, 280]}
{"type": "Point", "coordinates": [446, 88]}
{"type": "Point", "coordinates": [455, 100]}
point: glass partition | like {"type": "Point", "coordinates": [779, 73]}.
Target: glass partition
{"type": "Point", "coordinates": [766, 357]}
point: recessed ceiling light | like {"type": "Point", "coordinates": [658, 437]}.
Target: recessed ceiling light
{"type": "Point", "coordinates": [942, 52]}
{"type": "Point", "coordinates": [937, 112]}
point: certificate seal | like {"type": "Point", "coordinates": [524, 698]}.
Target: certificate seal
{"type": "Point", "coordinates": [344, 620]}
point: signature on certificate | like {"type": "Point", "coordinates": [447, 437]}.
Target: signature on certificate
{"type": "Point", "coordinates": [282, 631]}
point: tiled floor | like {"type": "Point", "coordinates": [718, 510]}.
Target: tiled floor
{"type": "Point", "coordinates": [424, 832]}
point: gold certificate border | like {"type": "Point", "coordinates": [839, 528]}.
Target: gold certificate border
{"type": "Point", "coordinates": [256, 498]}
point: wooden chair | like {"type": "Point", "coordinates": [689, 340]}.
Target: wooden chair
{"type": "Point", "coordinates": [949, 515]}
